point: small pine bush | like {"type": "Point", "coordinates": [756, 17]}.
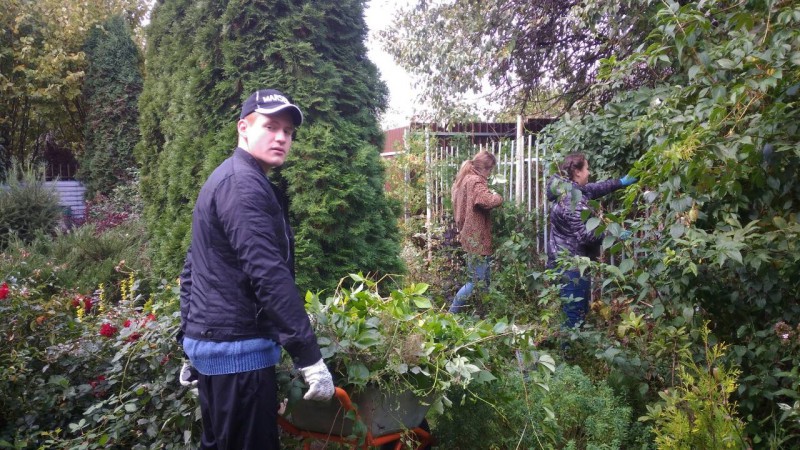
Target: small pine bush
{"type": "Point", "coordinates": [513, 413]}
{"type": "Point", "coordinates": [698, 412]}
{"type": "Point", "coordinates": [27, 206]}
{"type": "Point", "coordinates": [80, 259]}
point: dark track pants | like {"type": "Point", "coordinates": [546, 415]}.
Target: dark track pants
{"type": "Point", "coordinates": [240, 411]}
{"type": "Point", "coordinates": [575, 295]}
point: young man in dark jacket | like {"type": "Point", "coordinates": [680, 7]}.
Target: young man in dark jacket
{"type": "Point", "coordinates": [239, 302]}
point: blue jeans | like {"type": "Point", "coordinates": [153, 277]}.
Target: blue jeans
{"type": "Point", "coordinates": [575, 294]}
{"type": "Point", "coordinates": [478, 269]}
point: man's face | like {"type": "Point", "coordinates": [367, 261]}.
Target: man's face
{"type": "Point", "coordinates": [267, 138]}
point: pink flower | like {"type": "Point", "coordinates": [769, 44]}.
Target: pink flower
{"type": "Point", "coordinates": [108, 330]}
{"type": "Point", "coordinates": [3, 291]}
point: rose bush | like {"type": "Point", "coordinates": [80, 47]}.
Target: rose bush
{"type": "Point", "coordinates": [80, 371]}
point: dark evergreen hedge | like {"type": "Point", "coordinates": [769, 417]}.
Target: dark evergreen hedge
{"type": "Point", "coordinates": [203, 59]}
{"type": "Point", "coordinates": [111, 91]}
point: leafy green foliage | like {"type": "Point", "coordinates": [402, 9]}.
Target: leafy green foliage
{"type": "Point", "coordinates": [83, 371]}
{"type": "Point", "coordinates": [111, 90]}
{"type": "Point", "coordinates": [204, 59]}
{"type": "Point", "coordinates": [514, 292]}
{"type": "Point", "coordinates": [42, 68]}
{"type": "Point", "coordinates": [81, 259]}
{"type": "Point", "coordinates": [526, 52]}
{"type": "Point", "coordinates": [398, 342]}
{"type": "Point", "coordinates": [27, 206]}
{"type": "Point", "coordinates": [405, 175]}
{"type": "Point", "coordinates": [716, 207]}
{"type": "Point", "coordinates": [111, 241]}
{"type": "Point", "coordinates": [122, 204]}
{"type": "Point", "coordinates": [27, 395]}
{"type": "Point", "coordinates": [698, 413]}
{"type": "Point", "coordinates": [512, 412]}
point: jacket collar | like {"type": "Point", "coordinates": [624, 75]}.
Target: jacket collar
{"type": "Point", "coordinates": [245, 156]}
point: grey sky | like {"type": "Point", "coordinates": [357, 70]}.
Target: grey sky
{"type": "Point", "coordinates": [378, 15]}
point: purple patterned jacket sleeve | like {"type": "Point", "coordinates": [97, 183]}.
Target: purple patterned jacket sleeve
{"type": "Point", "coordinates": [601, 188]}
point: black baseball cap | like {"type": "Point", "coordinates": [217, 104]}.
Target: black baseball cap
{"type": "Point", "coordinates": [270, 101]}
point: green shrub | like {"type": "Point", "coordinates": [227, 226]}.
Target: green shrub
{"type": "Point", "coordinates": [715, 208]}
{"type": "Point", "coordinates": [513, 413]}
{"type": "Point", "coordinates": [122, 204]}
{"type": "Point", "coordinates": [79, 260]}
{"type": "Point", "coordinates": [698, 412]}
{"type": "Point", "coordinates": [27, 206]}
{"type": "Point", "coordinates": [515, 293]}
{"type": "Point", "coordinates": [111, 88]}
{"type": "Point", "coordinates": [32, 321]}
{"type": "Point", "coordinates": [444, 271]}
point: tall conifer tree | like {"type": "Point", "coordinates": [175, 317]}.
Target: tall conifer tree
{"type": "Point", "coordinates": [111, 91]}
{"type": "Point", "coordinates": [203, 59]}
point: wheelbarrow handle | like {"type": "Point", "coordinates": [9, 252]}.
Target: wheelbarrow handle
{"type": "Point", "coordinates": [343, 398]}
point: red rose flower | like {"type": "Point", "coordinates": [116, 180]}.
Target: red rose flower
{"type": "Point", "coordinates": [134, 337]}
{"type": "Point", "coordinates": [108, 330]}
{"type": "Point", "coordinates": [3, 291]}
{"type": "Point", "coordinates": [127, 323]}
{"type": "Point", "coordinates": [97, 381]}
{"type": "Point", "coordinates": [87, 303]}
{"type": "Point", "coordinates": [97, 388]}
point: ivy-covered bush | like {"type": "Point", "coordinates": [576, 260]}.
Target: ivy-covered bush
{"type": "Point", "coordinates": [715, 213]}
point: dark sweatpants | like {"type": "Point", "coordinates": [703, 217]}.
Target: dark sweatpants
{"type": "Point", "coordinates": [576, 292]}
{"type": "Point", "coordinates": [240, 411]}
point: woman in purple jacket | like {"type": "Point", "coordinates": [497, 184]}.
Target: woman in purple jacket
{"type": "Point", "coordinates": [569, 193]}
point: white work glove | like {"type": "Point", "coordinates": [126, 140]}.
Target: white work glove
{"type": "Point", "coordinates": [188, 377]}
{"type": "Point", "coordinates": [319, 380]}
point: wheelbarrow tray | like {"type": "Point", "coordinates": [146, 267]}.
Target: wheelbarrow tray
{"type": "Point", "coordinates": [382, 413]}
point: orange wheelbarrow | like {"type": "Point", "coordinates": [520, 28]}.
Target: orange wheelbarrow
{"type": "Point", "coordinates": [387, 419]}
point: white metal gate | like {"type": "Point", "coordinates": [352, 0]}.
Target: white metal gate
{"type": "Point", "coordinates": [522, 169]}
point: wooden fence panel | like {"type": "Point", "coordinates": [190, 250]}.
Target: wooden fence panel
{"type": "Point", "coordinates": [72, 194]}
